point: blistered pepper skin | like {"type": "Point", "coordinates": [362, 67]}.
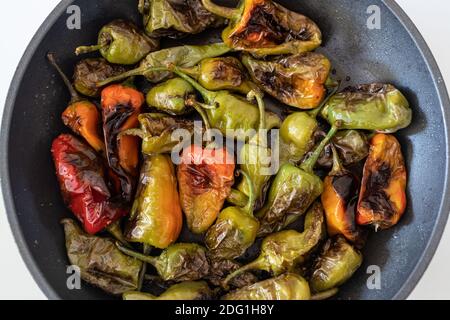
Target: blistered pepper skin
{"type": "Point", "coordinates": [382, 201]}
{"type": "Point", "coordinates": [171, 96]}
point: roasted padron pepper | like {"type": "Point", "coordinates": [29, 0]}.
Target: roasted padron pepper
{"type": "Point", "coordinates": [175, 18]}
{"type": "Point", "coordinates": [182, 56]}
{"type": "Point", "coordinates": [100, 262]}
{"type": "Point", "coordinates": [81, 115]}
{"type": "Point", "coordinates": [90, 71]}
{"type": "Point", "coordinates": [220, 268]}
{"type": "Point", "coordinates": [263, 27]}
{"type": "Point", "coordinates": [339, 200]}
{"type": "Point", "coordinates": [205, 177]}
{"type": "Point", "coordinates": [292, 192]}
{"type": "Point", "coordinates": [382, 199]}
{"type": "Point", "coordinates": [336, 264]}
{"type": "Point", "coordinates": [188, 290]}
{"type": "Point", "coordinates": [156, 218]}
{"type": "Point", "coordinates": [283, 251]}
{"type": "Point", "coordinates": [121, 106]}
{"type": "Point", "coordinates": [179, 262]}
{"type": "Point", "coordinates": [288, 286]}
{"type": "Point", "coordinates": [378, 107]}
{"type": "Point", "coordinates": [121, 42]}
{"type": "Point", "coordinates": [297, 81]}
{"type": "Point", "coordinates": [235, 229]}
{"type": "Point", "coordinates": [223, 73]}
{"type": "Point", "coordinates": [81, 178]}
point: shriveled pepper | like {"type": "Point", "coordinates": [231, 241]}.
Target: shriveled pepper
{"type": "Point", "coordinates": [81, 178]}
{"type": "Point", "coordinates": [182, 56]}
{"type": "Point", "coordinates": [81, 115]}
{"type": "Point", "coordinates": [297, 81]}
{"type": "Point", "coordinates": [378, 107]}
{"type": "Point", "coordinates": [339, 199]}
{"type": "Point", "coordinates": [90, 71]}
{"type": "Point", "coordinates": [176, 18]}
{"type": "Point", "coordinates": [121, 106]}
{"type": "Point", "coordinates": [263, 27]}
{"type": "Point", "coordinates": [179, 262]}
{"type": "Point", "coordinates": [336, 264]}
{"type": "Point", "coordinates": [100, 262]}
{"type": "Point", "coordinates": [205, 177]}
{"type": "Point", "coordinates": [121, 42]}
{"type": "Point", "coordinates": [223, 73]}
{"type": "Point", "coordinates": [382, 199]}
{"type": "Point", "coordinates": [189, 290]}
{"type": "Point", "coordinates": [282, 251]}
{"type": "Point", "coordinates": [220, 268]}
{"type": "Point", "coordinates": [156, 218]}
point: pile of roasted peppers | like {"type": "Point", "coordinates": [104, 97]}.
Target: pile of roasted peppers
{"type": "Point", "coordinates": [189, 229]}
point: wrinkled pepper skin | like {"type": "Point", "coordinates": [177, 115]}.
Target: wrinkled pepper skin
{"type": "Point", "coordinates": [223, 73]}
{"type": "Point", "coordinates": [176, 18]}
{"type": "Point", "coordinates": [283, 251]}
{"type": "Point", "coordinates": [382, 200]}
{"type": "Point", "coordinates": [335, 265]}
{"type": "Point", "coordinates": [378, 107]}
{"type": "Point", "coordinates": [121, 42]}
{"type": "Point", "coordinates": [205, 177]}
{"type": "Point", "coordinates": [88, 72]}
{"type": "Point", "coordinates": [179, 262]}
{"type": "Point", "coordinates": [297, 81]}
{"type": "Point", "coordinates": [263, 27]}
{"type": "Point", "coordinates": [289, 286]}
{"type": "Point", "coordinates": [220, 268]}
{"type": "Point", "coordinates": [189, 290]}
{"type": "Point", "coordinates": [171, 96]}
{"type": "Point", "coordinates": [82, 181]}
{"type": "Point", "coordinates": [100, 262]}
{"type": "Point", "coordinates": [121, 106]}
{"type": "Point", "coordinates": [156, 218]}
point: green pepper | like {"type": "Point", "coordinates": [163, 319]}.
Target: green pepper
{"type": "Point", "coordinates": [156, 218]}
{"type": "Point", "coordinates": [234, 230]}
{"type": "Point", "coordinates": [171, 96]}
{"type": "Point", "coordinates": [263, 27]}
{"type": "Point", "coordinates": [121, 42]}
{"type": "Point", "coordinates": [223, 73]}
{"type": "Point", "coordinates": [182, 56]}
{"type": "Point", "coordinates": [289, 286]}
{"type": "Point", "coordinates": [283, 251]}
{"type": "Point", "coordinates": [379, 107]}
{"type": "Point", "coordinates": [100, 262]}
{"type": "Point", "coordinates": [189, 290]}
{"type": "Point", "coordinates": [179, 262]}
{"type": "Point", "coordinates": [220, 268]}
{"type": "Point", "coordinates": [176, 18]}
{"type": "Point", "coordinates": [297, 81]}
{"type": "Point", "coordinates": [335, 265]}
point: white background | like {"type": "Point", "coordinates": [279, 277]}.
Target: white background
{"type": "Point", "coordinates": [19, 20]}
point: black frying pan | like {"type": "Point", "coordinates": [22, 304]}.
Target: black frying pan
{"type": "Point", "coordinates": [396, 54]}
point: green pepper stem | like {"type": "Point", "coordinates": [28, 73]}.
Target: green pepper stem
{"type": "Point", "coordinates": [335, 87]}
{"type": "Point", "coordinates": [73, 93]}
{"type": "Point", "coordinates": [87, 49]}
{"type": "Point", "coordinates": [207, 95]}
{"type": "Point", "coordinates": [135, 72]}
{"type": "Point", "coordinates": [142, 257]}
{"type": "Point", "coordinates": [115, 230]}
{"type": "Point", "coordinates": [337, 165]}
{"type": "Point", "coordinates": [261, 106]}
{"type": "Point", "coordinates": [199, 108]}
{"type": "Point", "coordinates": [254, 265]}
{"type": "Point", "coordinates": [193, 72]}
{"type": "Point", "coordinates": [237, 198]}
{"type": "Point", "coordinates": [228, 13]}
{"type": "Point", "coordinates": [325, 295]}
{"type": "Point", "coordinates": [251, 194]}
{"type": "Point", "coordinates": [146, 250]}
{"type": "Point", "coordinates": [309, 164]}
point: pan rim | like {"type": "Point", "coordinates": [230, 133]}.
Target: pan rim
{"type": "Point", "coordinates": [8, 198]}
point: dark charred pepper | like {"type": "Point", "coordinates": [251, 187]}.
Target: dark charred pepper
{"type": "Point", "coordinates": [82, 181]}
{"type": "Point", "coordinates": [382, 199]}
{"type": "Point", "coordinates": [263, 27]}
{"type": "Point", "coordinates": [156, 218]}
{"type": "Point", "coordinates": [189, 290]}
{"type": "Point", "coordinates": [81, 115]}
{"type": "Point", "coordinates": [297, 81]}
{"type": "Point", "coordinates": [121, 42]}
{"type": "Point", "coordinates": [205, 178]}
{"type": "Point", "coordinates": [176, 18]}
{"type": "Point", "coordinates": [121, 106]}
{"type": "Point", "coordinates": [100, 262]}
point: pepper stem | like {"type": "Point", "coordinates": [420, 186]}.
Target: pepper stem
{"type": "Point", "coordinates": [87, 49]}
{"type": "Point", "coordinates": [135, 72]}
{"type": "Point", "coordinates": [337, 165]}
{"type": "Point", "coordinates": [193, 72]}
{"type": "Point", "coordinates": [73, 93]}
{"type": "Point", "coordinates": [309, 164]}
{"type": "Point", "coordinates": [207, 95]}
{"type": "Point", "coordinates": [237, 198]}
{"type": "Point", "coordinates": [142, 257]}
{"type": "Point", "coordinates": [261, 106]}
{"type": "Point", "coordinates": [115, 230]}
{"type": "Point", "coordinates": [251, 266]}
{"type": "Point", "coordinates": [228, 13]}
{"type": "Point", "coordinates": [146, 250]}
{"type": "Point", "coordinates": [251, 194]}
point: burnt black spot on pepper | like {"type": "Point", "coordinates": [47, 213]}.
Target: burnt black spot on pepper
{"type": "Point", "coordinates": [346, 186]}
{"type": "Point", "coordinates": [201, 179]}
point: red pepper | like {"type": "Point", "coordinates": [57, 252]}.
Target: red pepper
{"type": "Point", "coordinates": [82, 181]}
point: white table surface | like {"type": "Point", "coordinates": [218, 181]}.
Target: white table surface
{"type": "Point", "coordinates": [20, 19]}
